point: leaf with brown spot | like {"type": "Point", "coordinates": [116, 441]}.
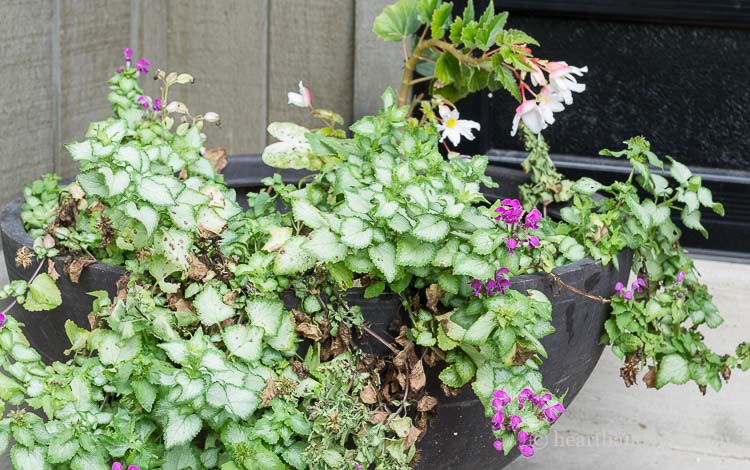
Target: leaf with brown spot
{"type": "Point", "coordinates": [74, 266]}
{"type": "Point", "coordinates": [218, 158]}
{"type": "Point", "coordinates": [378, 417]}
{"type": "Point", "coordinates": [269, 393]}
{"type": "Point", "coordinates": [310, 331]}
{"type": "Point", "coordinates": [434, 293]}
{"type": "Point", "coordinates": [426, 403]}
{"type": "Point", "coordinates": [51, 270]}
{"type": "Point", "coordinates": [229, 297]}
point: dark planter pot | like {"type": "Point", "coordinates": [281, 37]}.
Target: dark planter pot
{"type": "Point", "coordinates": [459, 436]}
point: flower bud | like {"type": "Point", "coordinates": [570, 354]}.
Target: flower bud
{"type": "Point", "coordinates": [185, 78]}
{"type": "Point", "coordinates": [171, 79]}
{"type": "Point", "coordinates": [177, 107]}
{"type": "Point", "coordinates": [212, 117]}
{"type": "Point", "coordinates": [48, 241]}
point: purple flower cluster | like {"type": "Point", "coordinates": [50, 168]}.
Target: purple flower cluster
{"type": "Point", "coordinates": [147, 103]}
{"type": "Point", "coordinates": [680, 277]}
{"type": "Point", "coordinates": [503, 418]}
{"type": "Point", "coordinates": [511, 212]}
{"type": "Point", "coordinates": [636, 286]}
{"type": "Point", "coordinates": [118, 466]}
{"type": "Point", "coordinates": [140, 67]}
{"type": "Point", "coordinates": [493, 286]}
{"type": "Point", "coordinates": [3, 319]}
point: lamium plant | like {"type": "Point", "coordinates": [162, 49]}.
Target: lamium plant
{"type": "Point", "coordinates": [232, 341]}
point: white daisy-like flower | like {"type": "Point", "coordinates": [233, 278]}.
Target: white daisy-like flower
{"type": "Point", "coordinates": [454, 128]}
{"type": "Point", "coordinates": [303, 99]}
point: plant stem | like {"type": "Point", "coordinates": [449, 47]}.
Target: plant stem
{"type": "Point", "coordinates": [557, 279]}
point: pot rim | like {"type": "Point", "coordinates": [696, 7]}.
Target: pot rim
{"type": "Point", "coordinates": [12, 225]}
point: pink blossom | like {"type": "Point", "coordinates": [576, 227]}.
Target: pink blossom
{"type": "Point", "coordinates": [527, 450]}
{"type": "Point", "coordinates": [680, 277]}
{"type": "Point", "coordinates": [142, 66]}
{"type": "Point", "coordinates": [533, 241]}
{"type": "Point", "coordinates": [529, 113]}
{"type": "Point", "coordinates": [532, 219]}
{"type": "Point", "coordinates": [562, 80]}
{"type": "Point", "coordinates": [498, 445]}
{"type": "Point", "coordinates": [512, 244]}
{"type": "Point", "coordinates": [303, 99]}
{"type": "Point", "coordinates": [128, 54]}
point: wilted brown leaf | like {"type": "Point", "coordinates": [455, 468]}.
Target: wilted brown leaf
{"type": "Point", "coordinates": [229, 297]}
{"type": "Point", "coordinates": [310, 330]}
{"type": "Point", "coordinates": [197, 270]}
{"type": "Point", "coordinates": [178, 303]}
{"type": "Point", "coordinates": [378, 417]}
{"type": "Point", "coordinates": [24, 257]}
{"type": "Point", "coordinates": [434, 293]}
{"type": "Point", "coordinates": [412, 437]}
{"type": "Point", "coordinates": [218, 158]}
{"type": "Point", "coordinates": [426, 403]}
{"type": "Point", "coordinates": [74, 266]}
{"type": "Point", "coordinates": [51, 270]}
{"type": "Point", "coordinates": [417, 378]}
{"type": "Point", "coordinates": [269, 393]}
{"type": "Point", "coordinates": [369, 395]}
{"type": "Point", "coordinates": [650, 378]}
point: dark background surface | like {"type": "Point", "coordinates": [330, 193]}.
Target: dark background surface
{"type": "Point", "coordinates": [673, 71]}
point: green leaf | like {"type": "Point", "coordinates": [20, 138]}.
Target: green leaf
{"type": "Point", "coordinates": [293, 258]}
{"type": "Point", "coordinates": [430, 228]}
{"type": "Point", "coordinates": [480, 330]}
{"type": "Point", "coordinates": [62, 450]}
{"type": "Point", "coordinates": [42, 294]}
{"type": "Point", "coordinates": [210, 307]}
{"type": "Point", "coordinates": [679, 172]}
{"type": "Point", "coordinates": [692, 220]}
{"type": "Point", "coordinates": [447, 68]}
{"type": "Point", "coordinates": [303, 210]}
{"type": "Point", "coordinates": [93, 183]}
{"type": "Point", "coordinates": [412, 252]}
{"type": "Point", "coordinates": [472, 266]}
{"type": "Point", "coordinates": [356, 233]}
{"type": "Point", "coordinates": [587, 186]}
{"type": "Point", "coordinates": [24, 458]}
{"type": "Point", "coordinates": [155, 192]}
{"type": "Point", "coordinates": [145, 393]}
{"type": "Point", "coordinates": [285, 339]}
{"type": "Point", "coordinates": [181, 429]}
{"type": "Point", "coordinates": [80, 150]}
{"type": "Point", "coordinates": [325, 246]}
{"type": "Point", "coordinates": [130, 155]}
{"type": "Point", "coordinates": [673, 369]}
{"type": "Point", "coordinates": [383, 256]}
{"type": "Point", "coordinates": [374, 290]}
{"type": "Point", "coordinates": [146, 215]}
{"type": "Point", "coordinates": [397, 21]}
{"type": "Point", "coordinates": [237, 401]}
{"type": "Point", "coordinates": [265, 313]}
{"type": "Point", "coordinates": [441, 19]}
{"type": "Point", "coordinates": [244, 342]}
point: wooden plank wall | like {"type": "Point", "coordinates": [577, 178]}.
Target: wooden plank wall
{"type": "Point", "coordinates": [56, 56]}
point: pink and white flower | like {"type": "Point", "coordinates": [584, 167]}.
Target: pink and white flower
{"type": "Point", "coordinates": [562, 80]}
{"type": "Point", "coordinates": [454, 128]}
{"type": "Point", "coordinates": [303, 99]}
{"type": "Point", "coordinates": [550, 102]}
{"type": "Point", "coordinates": [531, 115]}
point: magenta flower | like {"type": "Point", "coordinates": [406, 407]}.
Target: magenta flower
{"type": "Point", "coordinates": [512, 244]}
{"type": "Point", "coordinates": [552, 413]}
{"type": "Point", "coordinates": [497, 420]}
{"type": "Point", "coordinates": [628, 295]}
{"type": "Point", "coordinates": [533, 241]}
{"type": "Point", "coordinates": [527, 450]}
{"type": "Point", "coordinates": [510, 211]}
{"type": "Point", "coordinates": [523, 437]}
{"type": "Point", "coordinates": [515, 421]}
{"type": "Point", "coordinates": [3, 319]}
{"type": "Point", "coordinates": [491, 286]}
{"type": "Point", "coordinates": [144, 101]}
{"type": "Point", "coordinates": [638, 284]}
{"type": "Point", "coordinates": [357, 466]}
{"type": "Point", "coordinates": [541, 401]}
{"type": "Point", "coordinates": [532, 219]}
{"type": "Point", "coordinates": [118, 466]}
{"type": "Point", "coordinates": [502, 399]}
{"type": "Point", "coordinates": [120, 69]}
{"type": "Point", "coordinates": [128, 54]}
{"type": "Point", "coordinates": [680, 277]}
{"type": "Point", "coordinates": [142, 66]}
{"type": "Point", "coordinates": [498, 445]}
{"type": "Point", "coordinates": [525, 395]}
{"type": "Point", "coordinates": [619, 288]}
{"type": "Point", "coordinates": [476, 284]}
{"type": "Point", "coordinates": [158, 105]}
